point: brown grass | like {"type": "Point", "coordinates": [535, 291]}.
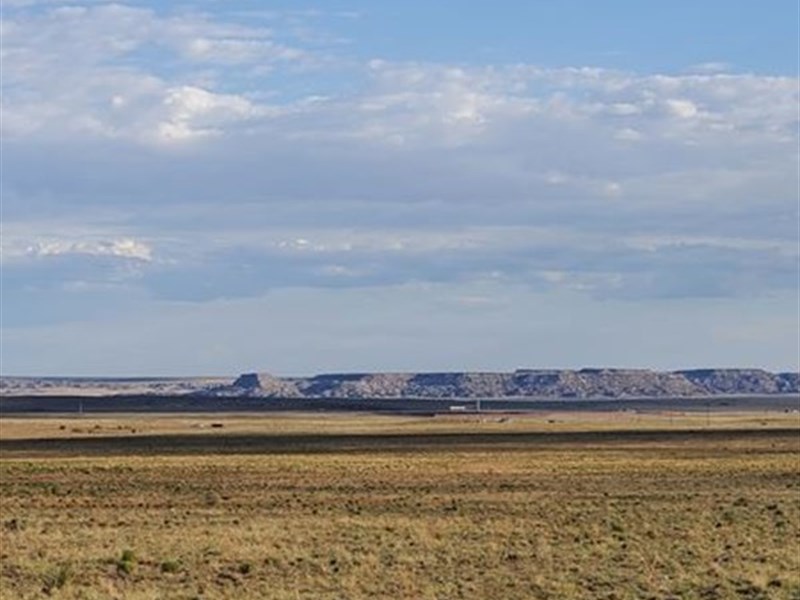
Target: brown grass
{"type": "Point", "coordinates": [349, 423]}
{"type": "Point", "coordinates": [671, 514]}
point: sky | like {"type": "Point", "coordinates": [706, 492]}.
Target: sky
{"type": "Point", "coordinates": [220, 186]}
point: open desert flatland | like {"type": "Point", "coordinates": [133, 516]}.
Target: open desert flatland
{"type": "Point", "coordinates": [554, 506]}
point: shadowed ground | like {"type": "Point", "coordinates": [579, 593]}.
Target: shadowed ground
{"type": "Point", "coordinates": [224, 443]}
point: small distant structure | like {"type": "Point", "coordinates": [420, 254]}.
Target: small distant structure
{"type": "Point", "coordinates": [458, 408]}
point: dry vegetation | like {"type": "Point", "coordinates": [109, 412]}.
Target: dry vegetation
{"type": "Point", "coordinates": [668, 514]}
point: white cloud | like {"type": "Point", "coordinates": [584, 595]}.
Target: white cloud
{"type": "Point", "coordinates": [78, 71]}
{"type": "Point", "coordinates": [612, 189]}
{"type": "Point", "coordinates": [628, 134]}
{"type": "Point", "coordinates": [397, 172]}
{"type": "Point", "coordinates": [238, 51]}
{"type": "Point", "coordinates": [710, 67]}
{"type": "Point", "coordinates": [653, 243]}
{"type": "Point", "coordinates": [195, 112]}
{"type": "Point", "coordinates": [684, 109]}
{"type": "Point", "coordinates": [209, 264]}
{"type": "Point", "coordinates": [624, 109]}
{"type": "Point", "coordinates": [9, 4]}
{"type": "Point", "coordinates": [126, 248]}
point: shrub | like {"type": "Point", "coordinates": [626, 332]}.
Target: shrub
{"type": "Point", "coordinates": [170, 566]}
{"type": "Point", "coordinates": [126, 562]}
{"type": "Point", "coordinates": [57, 578]}
{"type": "Point", "coordinates": [128, 555]}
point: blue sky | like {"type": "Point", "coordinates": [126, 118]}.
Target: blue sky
{"type": "Point", "coordinates": [213, 187]}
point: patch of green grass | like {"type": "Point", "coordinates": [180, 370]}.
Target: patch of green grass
{"type": "Point", "coordinates": [126, 562]}
{"type": "Point", "coordinates": [170, 566]}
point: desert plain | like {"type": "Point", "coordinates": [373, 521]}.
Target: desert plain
{"type": "Point", "coordinates": [549, 505]}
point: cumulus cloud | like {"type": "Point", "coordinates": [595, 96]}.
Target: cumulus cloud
{"type": "Point", "coordinates": [194, 112]}
{"type": "Point", "coordinates": [681, 108]}
{"type": "Point", "coordinates": [200, 156]}
{"type": "Point", "coordinates": [95, 71]}
{"type": "Point", "coordinates": [82, 70]}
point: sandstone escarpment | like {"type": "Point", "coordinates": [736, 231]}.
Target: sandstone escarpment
{"type": "Point", "coordinates": [524, 383]}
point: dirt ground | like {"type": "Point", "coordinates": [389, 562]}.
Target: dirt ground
{"type": "Point", "coordinates": [357, 506]}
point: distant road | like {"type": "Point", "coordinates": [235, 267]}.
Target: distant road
{"type": "Point", "coordinates": [10, 405]}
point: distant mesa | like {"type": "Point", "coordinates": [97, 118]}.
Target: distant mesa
{"type": "Point", "coordinates": [263, 384]}
{"type": "Point", "coordinates": [525, 383]}
{"type": "Point", "coordinates": [743, 381]}
{"type": "Point", "coordinates": [587, 383]}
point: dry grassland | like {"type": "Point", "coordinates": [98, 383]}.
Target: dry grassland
{"type": "Point", "coordinates": [554, 506]}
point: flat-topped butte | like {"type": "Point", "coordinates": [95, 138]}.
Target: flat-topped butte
{"type": "Point", "coordinates": [522, 383]}
{"type": "Point", "coordinates": [545, 383]}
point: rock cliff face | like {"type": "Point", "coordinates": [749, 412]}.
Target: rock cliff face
{"type": "Point", "coordinates": [741, 381]}
{"type": "Point", "coordinates": [107, 386]}
{"type": "Point", "coordinates": [264, 384]}
{"type": "Point", "coordinates": [522, 383]}
{"type": "Point", "coordinates": [584, 383]}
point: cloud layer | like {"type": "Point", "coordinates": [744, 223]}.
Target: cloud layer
{"type": "Point", "coordinates": [177, 155]}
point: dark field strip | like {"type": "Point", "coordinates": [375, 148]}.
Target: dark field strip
{"type": "Point", "coordinates": [153, 403]}
{"type": "Point", "coordinates": [222, 443]}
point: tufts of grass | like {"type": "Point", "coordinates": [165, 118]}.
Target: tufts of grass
{"type": "Point", "coordinates": [126, 562]}
{"type": "Point", "coordinates": [244, 568]}
{"type": "Point", "coordinates": [620, 518]}
{"type": "Point", "coordinates": [56, 578]}
{"type": "Point", "coordinates": [170, 566]}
